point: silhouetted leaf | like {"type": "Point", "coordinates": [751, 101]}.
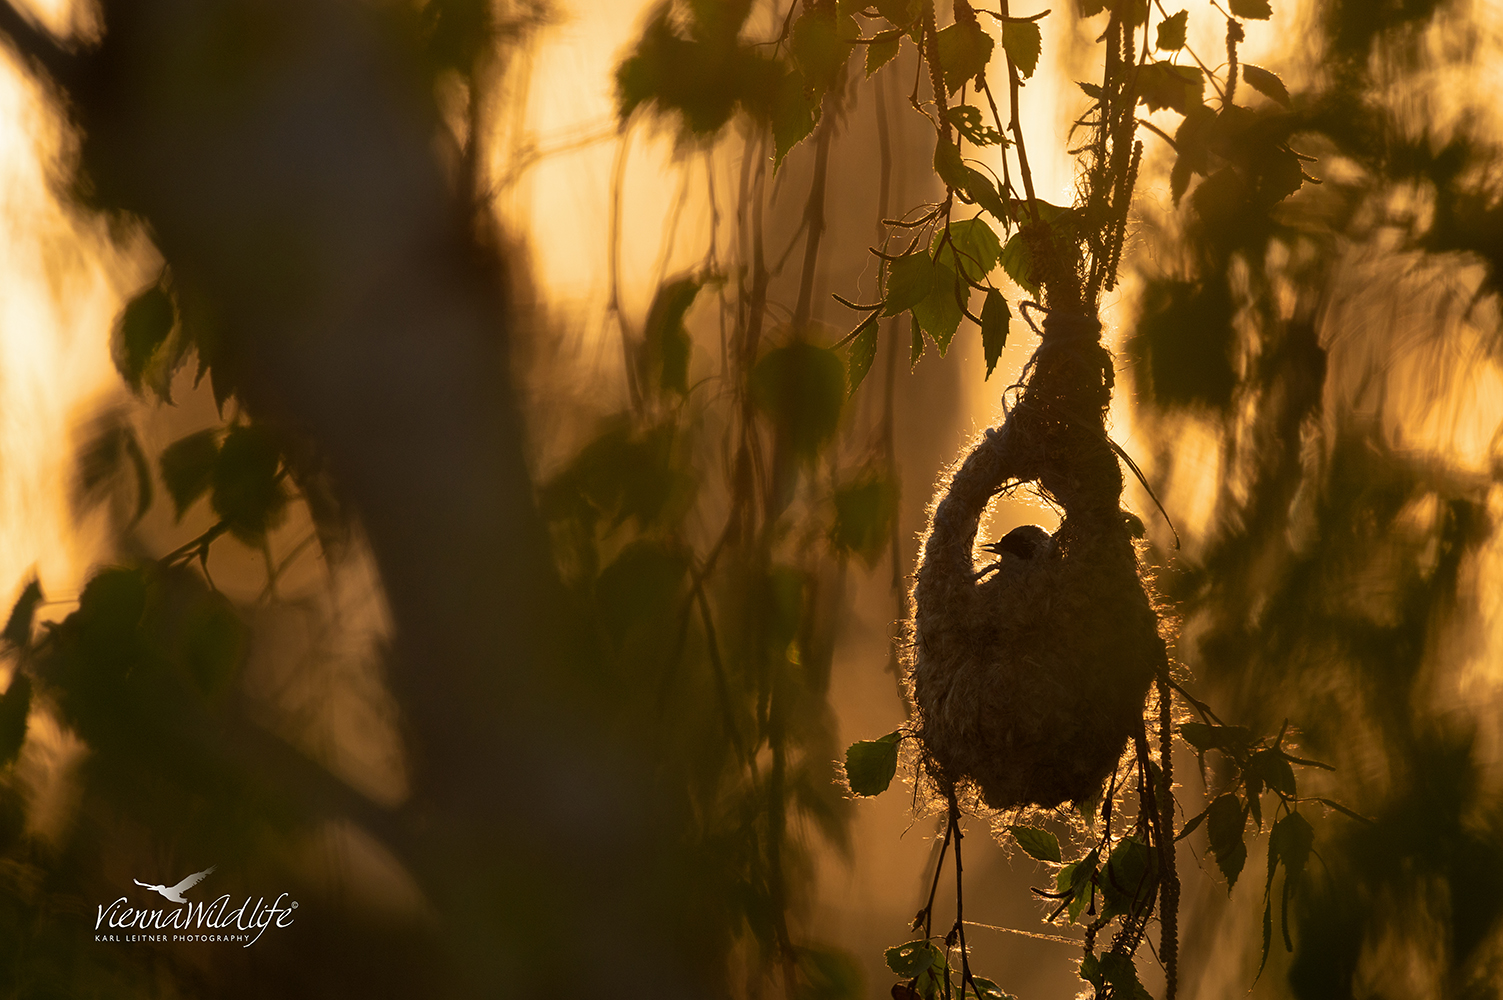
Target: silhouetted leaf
{"type": "Point", "coordinates": [995, 317]}
{"type": "Point", "coordinates": [1038, 844]}
{"type": "Point", "coordinates": [802, 387]}
{"type": "Point", "coordinates": [15, 707]}
{"type": "Point", "coordinates": [1171, 36]}
{"type": "Point", "coordinates": [188, 468]}
{"type": "Point", "coordinates": [247, 491]}
{"type": "Point", "coordinates": [1076, 878]}
{"type": "Point", "coordinates": [964, 50]}
{"type": "Point", "coordinates": [1128, 879]}
{"type": "Point", "coordinates": [701, 78]}
{"type": "Point", "coordinates": [1119, 971]}
{"type": "Point", "coordinates": [1022, 40]}
{"type": "Point", "coordinates": [1090, 8]}
{"type": "Point", "coordinates": [828, 974]}
{"type": "Point", "coordinates": [1257, 10]}
{"type": "Point", "coordinates": [101, 462]}
{"type": "Point", "coordinates": [1206, 737]}
{"type": "Point", "coordinates": [1289, 844]}
{"type": "Point", "coordinates": [141, 329]}
{"type": "Point", "coordinates": [969, 123]}
{"type": "Point", "coordinates": [640, 589]}
{"type": "Point", "coordinates": [863, 351]}
{"type": "Point", "coordinates": [1186, 336]}
{"type": "Point", "coordinates": [1164, 85]}
{"type": "Point", "coordinates": [864, 511]}
{"type": "Point", "coordinates": [665, 339]}
{"type": "Point", "coordinates": [1266, 83]}
{"type": "Point", "coordinates": [1273, 767]}
{"type": "Point", "coordinates": [211, 642]}
{"type": "Point", "coordinates": [18, 625]}
{"type": "Point", "coordinates": [870, 766]}
{"type": "Point", "coordinates": [984, 989]}
{"type": "Point", "coordinates": [1225, 822]}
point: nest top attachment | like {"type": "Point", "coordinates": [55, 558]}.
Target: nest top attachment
{"type": "Point", "coordinates": [1030, 674]}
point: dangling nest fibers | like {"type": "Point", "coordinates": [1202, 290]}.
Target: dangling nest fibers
{"type": "Point", "coordinates": [1030, 675]}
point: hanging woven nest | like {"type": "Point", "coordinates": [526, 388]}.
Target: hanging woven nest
{"type": "Point", "coordinates": [1029, 673]}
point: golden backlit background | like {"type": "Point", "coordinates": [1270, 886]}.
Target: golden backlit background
{"type": "Point", "coordinates": [1410, 332]}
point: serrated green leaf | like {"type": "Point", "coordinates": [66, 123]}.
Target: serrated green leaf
{"type": "Point", "coordinates": [1256, 10]}
{"type": "Point", "coordinates": [995, 317]}
{"type": "Point", "coordinates": [246, 489]}
{"type": "Point", "coordinates": [1128, 878]}
{"type": "Point", "coordinates": [818, 44]}
{"type": "Point", "coordinates": [881, 50]}
{"type": "Point", "coordinates": [795, 112]}
{"type": "Point", "coordinates": [971, 248]}
{"type": "Point", "coordinates": [861, 354]}
{"type": "Point", "coordinates": [1171, 37]}
{"type": "Point", "coordinates": [15, 708]}
{"type": "Point", "coordinates": [1225, 823]}
{"type": "Point", "coordinates": [910, 279]}
{"type": "Point", "coordinates": [1040, 845]}
{"type": "Point", "coordinates": [948, 164]}
{"type": "Point", "coordinates": [870, 766]}
{"type": "Point", "coordinates": [1266, 83]}
{"type": "Point", "coordinates": [916, 347]}
{"type": "Point", "coordinates": [939, 313]}
{"type": "Point", "coordinates": [1017, 261]}
{"type": "Point", "coordinates": [1022, 40]}
{"type": "Point", "coordinates": [1075, 878]}
{"type": "Point", "coordinates": [983, 192]}
{"type": "Point", "coordinates": [802, 388]}
{"type": "Point", "coordinates": [911, 959]}
{"type": "Point", "coordinates": [18, 625]}
{"type": "Point", "coordinates": [187, 466]}
{"type": "Point", "coordinates": [964, 50]}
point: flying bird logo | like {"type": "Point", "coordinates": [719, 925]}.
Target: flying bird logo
{"type": "Point", "coordinates": [175, 892]}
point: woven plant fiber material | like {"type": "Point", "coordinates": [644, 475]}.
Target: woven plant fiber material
{"type": "Point", "coordinates": [1030, 673]}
